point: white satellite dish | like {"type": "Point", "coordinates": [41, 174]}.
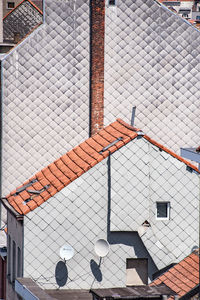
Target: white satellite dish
{"type": "Point", "coordinates": [66, 252]}
{"type": "Point", "coordinates": [101, 248]}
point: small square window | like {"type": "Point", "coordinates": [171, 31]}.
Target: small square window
{"type": "Point", "coordinates": [162, 210]}
{"type": "Point", "coordinates": [10, 5]}
{"type": "Point", "coordinates": [112, 2]}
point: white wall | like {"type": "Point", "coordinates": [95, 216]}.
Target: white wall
{"type": "Point", "coordinates": [151, 62]}
{"type": "Point", "coordinates": [79, 215]}
{"type": "Point", "coordinates": [111, 201]}
{"type": "Point", "coordinates": [15, 232]}
{"type": "Point", "coordinates": [151, 176]}
{"type": "Point", "coordinates": [46, 92]}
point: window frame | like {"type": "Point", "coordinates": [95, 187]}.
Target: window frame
{"type": "Point", "coordinates": [110, 4]}
{"type": "Point", "coordinates": [168, 211]}
{"type": "Point", "coordinates": [10, 8]}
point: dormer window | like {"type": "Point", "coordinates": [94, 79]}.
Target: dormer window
{"type": "Point", "coordinates": [162, 210]}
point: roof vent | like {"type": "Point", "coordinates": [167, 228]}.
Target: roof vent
{"type": "Point", "coordinates": [133, 116]}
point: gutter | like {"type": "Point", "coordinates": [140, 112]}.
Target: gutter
{"type": "Point", "coordinates": [7, 205]}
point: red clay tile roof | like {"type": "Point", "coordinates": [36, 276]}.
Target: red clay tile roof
{"type": "Point", "coordinates": [73, 164]}
{"type": "Point", "coordinates": [183, 277]}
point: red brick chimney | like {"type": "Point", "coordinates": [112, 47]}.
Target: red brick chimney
{"type": "Point", "coordinates": [97, 28]}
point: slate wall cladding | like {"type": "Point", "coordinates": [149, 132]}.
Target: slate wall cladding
{"type": "Point", "coordinates": [143, 175]}
{"type": "Point", "coordinates": [110, 201]}
{"type": "Point", "coordinates": [21, 21]}
{"type": "Point", "coordinates": [97, 66]}
{"type": "Point", "coordinates": [46, 92]}
{"type": "Point", "coordinates": [78, 215]}
{"type": "Point", "coordinates": [16, 230]}
{"type": "Point", "coordinates": [152, 62]}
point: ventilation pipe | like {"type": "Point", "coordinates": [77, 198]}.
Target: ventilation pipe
{"type": "Point", "coordinates": [133, 116]}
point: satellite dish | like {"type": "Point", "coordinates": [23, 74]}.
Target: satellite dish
{"type": "Point", "coordinates": [101, 247]}
{"type": "Point", "coordinates": [66, 252]}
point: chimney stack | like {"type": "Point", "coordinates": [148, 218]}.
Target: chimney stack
{"type": "Point", "coordinates": [97, 28]}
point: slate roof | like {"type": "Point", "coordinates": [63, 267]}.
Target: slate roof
{"type": "Point", "coordinates": [32, 4]}
{"type": "Point", "coordinates": [25, 17]}
{"type": "Point", "coordinates": [73, 164]}
{"type": "Point", "coordinates": [183, 277]}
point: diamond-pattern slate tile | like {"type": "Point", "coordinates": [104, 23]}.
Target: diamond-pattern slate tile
{"type": "Point", "coordinates": [21, 20]}
{"type": "Point", "coordinates": [84, 220]}
{"type": "Point", "coordinates": [133, 200]}
{"type": "Point", "coordinates": [46, 92]}
{"type": "Point", "coordinates": [152, 62]}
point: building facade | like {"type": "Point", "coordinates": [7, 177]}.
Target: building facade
{"type": "Point", "coordinates": [109, 187]}
{"type": "Point", "coordinates": [8, 5]}
{"type": "Point", "coordinates": [48, 81]}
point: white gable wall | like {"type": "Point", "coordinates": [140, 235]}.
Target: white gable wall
{"type": "Point", "coordinates": [78, 216]}
{"type": "Point", "coordinates": [151, 176]}
{"type": "Point", "coordinates": [111, 201]}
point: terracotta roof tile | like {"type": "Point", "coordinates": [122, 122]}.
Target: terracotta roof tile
{"type": "Point", "coordinates": [66, 170]}
{"type": "Point", "coordinates": [73, 164]}
{"type": "Point", "coordinates": [183, 277]}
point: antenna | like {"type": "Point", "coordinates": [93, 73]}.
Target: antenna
{"type": "Point", "coordinates": [133, 115]}
{"type": "Point", "coordinates": [66, 252]}
{"type": "Point", "coordinates": [101, 248]}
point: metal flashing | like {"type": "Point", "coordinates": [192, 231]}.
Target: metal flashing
{"type": "Point", "coordinates": [111, 144]}
{"type": "Point", "coordinates": [23, 188]}
{"type": "Point", "coordinates": [191, 154]}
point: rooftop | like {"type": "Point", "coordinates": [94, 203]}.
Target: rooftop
{"type": "Point", "coordinates": [133, 292]}
{"type": "Point", "coordinates": [183, 277]}
{"type": "Point", "coordinates": [73, 164]}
